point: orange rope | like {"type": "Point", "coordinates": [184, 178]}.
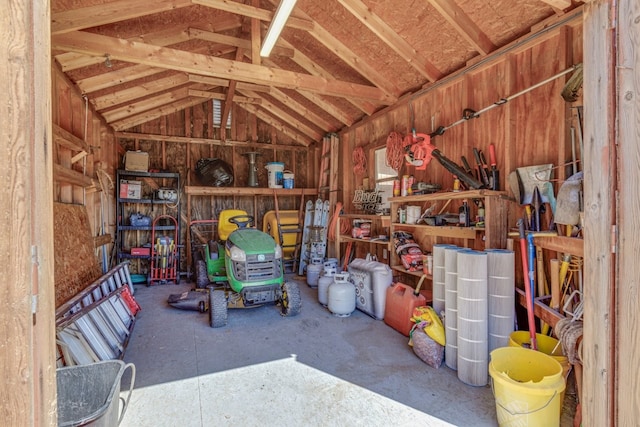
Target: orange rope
{"type": "Point", "coordinates": [359, 161]}
{"type": "Point", "coordinates": [345, 228]}
{"type": "Point", "coordinates": [395, 151]}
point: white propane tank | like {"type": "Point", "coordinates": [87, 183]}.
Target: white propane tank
{"type": "Point", "coordinates": [323, 289]}
{"type": "Point", "coordinates": [313, 274]}
{"type": "Point", "coordinates": [325, 281]}
{"type": "Point", "coordinates": [342, 296]}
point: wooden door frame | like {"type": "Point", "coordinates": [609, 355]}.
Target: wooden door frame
{"type": "Point", "coordinates": [27, 363]}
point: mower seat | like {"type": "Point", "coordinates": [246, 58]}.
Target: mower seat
{"type": "Point", "coordinates": [225, 228]}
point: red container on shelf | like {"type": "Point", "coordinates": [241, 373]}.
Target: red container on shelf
{"type": "Point", "coordinates": [399, 306]}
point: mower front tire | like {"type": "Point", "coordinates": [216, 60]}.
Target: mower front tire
{"type": "Point", "coordinates": [290, 304]}
{"type": "Point", "coordinates": [217, 308]}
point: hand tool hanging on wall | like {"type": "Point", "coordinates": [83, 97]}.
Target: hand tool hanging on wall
{"type": "Point", "coordinates": [467, 115]}
{"type": "Point", "coordinates": [485, 168]}
{"type": "Point", "coordinates": [495, 174]}
{"type": "Point", "coordinates": [422, 156]}
{"type": "Point", "coordinates": [482, 173]}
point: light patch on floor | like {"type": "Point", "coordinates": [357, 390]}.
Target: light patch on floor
{"type": "Point", "coordinates": [280, 393]}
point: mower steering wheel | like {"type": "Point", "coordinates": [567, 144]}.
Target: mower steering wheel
{"type": "Point", "coordinates": [242, 221]}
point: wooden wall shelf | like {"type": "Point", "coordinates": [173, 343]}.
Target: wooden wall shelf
{"type": "Point", "coordinates": [248, 191]}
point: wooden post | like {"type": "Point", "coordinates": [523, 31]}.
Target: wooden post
{"type": "Point", "coordinates": [27, 365]}
{"type": "Point", "coordinates": [598, 406]}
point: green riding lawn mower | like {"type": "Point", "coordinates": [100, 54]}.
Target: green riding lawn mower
{"type": "Point", "coordinates": [241, 267]}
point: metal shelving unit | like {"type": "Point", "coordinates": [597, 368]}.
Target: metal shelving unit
{"type": "Point", "coordinates": [129, 236]}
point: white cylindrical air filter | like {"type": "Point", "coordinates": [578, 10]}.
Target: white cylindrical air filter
{"type": "Point", "coordinates": [438, 277]}
{"type": "Point", "coordinates": [473, 331]}
{"type": "Point", "coordinates": [451, 307]}
{"type": "Point", "coordinates": [501, 293]}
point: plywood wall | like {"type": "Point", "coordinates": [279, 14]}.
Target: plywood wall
{"type": "Point", "coordinates": [84, 162]}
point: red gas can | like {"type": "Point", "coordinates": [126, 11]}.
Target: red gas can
{"type": "Point", "coordinates": [400, 302]}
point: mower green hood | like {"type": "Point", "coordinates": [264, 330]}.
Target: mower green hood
{"type": "Point", "coordinates": [253, 241]}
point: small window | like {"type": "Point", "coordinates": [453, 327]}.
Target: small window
{"type": "Point", "coordinates": [384, 176]}
{"type": "Point", "coordinates": [217, 114]}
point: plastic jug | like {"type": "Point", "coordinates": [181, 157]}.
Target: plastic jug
{"type": "Point", "coordinates": [401, 300]}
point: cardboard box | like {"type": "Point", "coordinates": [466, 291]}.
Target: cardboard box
{"type": "Point", "coordinates": [141, 251]}
{"type": "Point", "coordinates": [130, 189]}
{"type": "Point", "coordinates": [136, 161]}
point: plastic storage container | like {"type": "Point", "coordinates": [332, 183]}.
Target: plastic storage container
{"type": "Point", "coordinates": [88, 395]}
{"type": "Point", "coordinates": [371, 279]}
{"type": "Point", "coordinates": [276, 170]}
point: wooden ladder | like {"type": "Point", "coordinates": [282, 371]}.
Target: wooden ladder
{"type": "Point", "coordinates": [328, 179]}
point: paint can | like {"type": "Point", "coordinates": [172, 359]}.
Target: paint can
{"type": "Point", "coordinates": [275, 174]}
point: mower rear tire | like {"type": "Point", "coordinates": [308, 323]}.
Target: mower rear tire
{"type": "Point", "coordinates": [290, 304]}
{"type": "Point", "coordinates": [217, 308]}
{"type": "Point", "coordinates": [202, 279]}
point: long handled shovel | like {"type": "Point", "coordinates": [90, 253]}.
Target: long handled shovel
{"type": "Point", "coordinates": [527, 285]}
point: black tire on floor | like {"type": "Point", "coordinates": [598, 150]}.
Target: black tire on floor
{"type": "Point", "coordinates": [217, 308]}
{"type": "Point", "coordinates": [290, 304]}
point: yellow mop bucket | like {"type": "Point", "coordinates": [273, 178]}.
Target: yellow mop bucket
{"type": "Point", "coordinates": [546, 344]}
{"type": "Point", "coordinates": [527, 385]}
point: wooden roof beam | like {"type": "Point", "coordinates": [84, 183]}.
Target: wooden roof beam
{"type": "Point", "coordinates": [225, 83]}
{"type": "Point", "coordinates": [288, 118]}
{"type": "Point", "coordinates": [139, 91]}
{"type": "Point", "coordinates": [254, 12]}
{"type": "Point", "coordinates": [558, 4]}
{"type": "Point", "coordinates": [316, 69]}
{"type": "Point", "coordinates": [270, 120]}
{"type": "Point", "coordinates": [166, 37]}
{"type": "Point", "coordinates": [119, 49]}
{"type": "Point", "coordinates": [164, 110]}
{"type": "Point", "coordinates": [464, 25]}
{"type": "Point", "coordinates": [222, 97]}
{"type": "Point", "coordinates": [328, 107]}
{"type": "Point", "coordinates": [110, 12]}
{"type": "Point", "coordinates": [230, 92]}
{"type": "Point", "coordinates": [234, 41]}
{"type": "Point", "coordinates": [127, 74]}
{"type": "Point", "coordinates": [343, 52]}
{"type": "Point", "coordinates": [382, 30]}
{"type": "Point", "coordinates": [117, 77]}
{"type": "Point", "coordinates": [302, 110]}
{"type": "Point", "coordinates": [150, 103]}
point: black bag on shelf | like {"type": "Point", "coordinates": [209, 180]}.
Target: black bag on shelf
{"type": "Point", "coordinates": [214, 172]}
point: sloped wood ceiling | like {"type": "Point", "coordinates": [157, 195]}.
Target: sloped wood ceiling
{"type": "Point", "coordinates": [336, 62]}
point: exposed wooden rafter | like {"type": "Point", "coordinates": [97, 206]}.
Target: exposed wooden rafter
{"type": "Point", "coordinates": [464, 25]}
{"type": "Point", "coordinates": [222, 96]}
{"type": "Point", "coordinates": [254, 12]}
{"type": "Point", "coordinates": [303, 139]}
{"type": "Point", "coordinates": [164, 110]}
{"type": "Point", "coordinates": [95, 44]}
{"type": "Point", "coordinates": [391, 38]}
{"type": "Point", "coordinates": [107, 13]}
{"type": "Point", "coordinates": [143, 89]}
{"type": "Point", "coordinates": [235, 41]}
{"type": "Point", "coordinates": [293, 122]}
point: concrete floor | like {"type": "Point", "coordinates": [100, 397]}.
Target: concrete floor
{"type": "Point", "coordinates": [314, 369]}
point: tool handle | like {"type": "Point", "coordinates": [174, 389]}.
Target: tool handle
{"type": "Point", "coordinates": [476, 154]}
{"type": "Point", "coordinates": [492, 154]}
{"type": "Point", "coordinates": [483, 159]}
{"type": "Point", "coordinates": [466, 165]}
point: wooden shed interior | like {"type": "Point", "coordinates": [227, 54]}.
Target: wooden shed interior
{"type": "Point", "coordinates": [183, 80]}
